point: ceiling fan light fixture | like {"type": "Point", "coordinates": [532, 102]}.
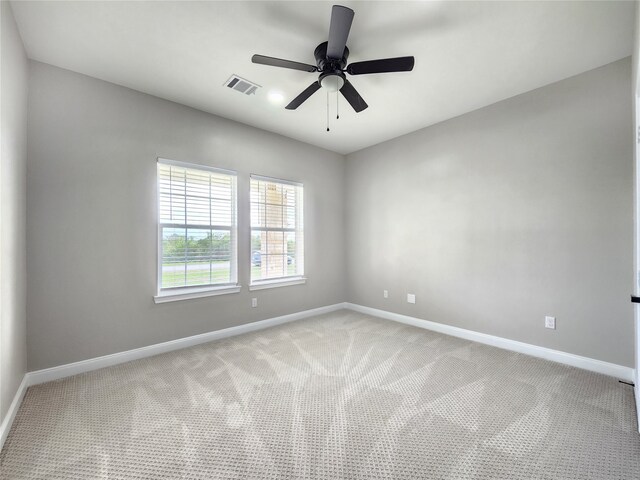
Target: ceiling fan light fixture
{"type": "Point", "coordinates": [332, 82]}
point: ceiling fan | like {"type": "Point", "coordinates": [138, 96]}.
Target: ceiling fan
{"type": "Point", "coordinates": [331, 60]}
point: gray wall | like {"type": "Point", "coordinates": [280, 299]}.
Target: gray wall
{"type": "Point", "coordinates": [13, 163]}
{"type": "Point", "coordinates": [636, 201]}
{"type": "Point", "coordinates": [91, 225]}
{"type": "Point", "coordinates": [504, 215]}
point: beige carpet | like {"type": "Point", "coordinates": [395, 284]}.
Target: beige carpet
{"type": "Point", "coordinates": [342, 395]}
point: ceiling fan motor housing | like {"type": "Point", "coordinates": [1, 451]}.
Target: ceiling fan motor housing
{"type": "Point", "coordinates": [326, 65]}
{"type": "Point", "coordinates": [331, 76]}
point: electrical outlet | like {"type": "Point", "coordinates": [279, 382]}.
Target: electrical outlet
{"type": "Point", "coordinates": [254, 302]}
{"type": "Point", "coordinates": [550, 322]}
{"type": "Point", "coordinates": [411, 298]}
{"type": "Point", "coordinates": [385, 293]}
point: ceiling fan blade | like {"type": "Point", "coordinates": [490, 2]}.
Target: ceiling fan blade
{"type": "Point", "coordinates": [278, 62]}
{"type": "Point", "coordinates": [300, 99]}
{"type": "Point", "coordinates": [341, 18]}
{"type": "Point", "coordinates": [385, 65]}
{"type": "Point", "coordinates": [353, 97]}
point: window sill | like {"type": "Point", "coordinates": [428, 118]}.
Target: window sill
{"type": "Point", "coordinates": [277, 283]}
{"type": "Point", "coordinates": [188, 293]}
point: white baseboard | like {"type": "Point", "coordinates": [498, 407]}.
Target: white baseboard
{"type": "Point", "coordinates": [62, 371]}
{"type": "Point", "coordinates": [636, 391]}
{"type": "Point", "coordinates": [624, 373]}
{"type": "Point", "coordinates": [5, 426]}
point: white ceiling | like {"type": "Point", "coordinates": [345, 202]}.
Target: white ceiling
{"type": "Point", "coordinates": [468, 55]}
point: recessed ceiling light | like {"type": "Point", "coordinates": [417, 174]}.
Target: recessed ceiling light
{"type": "Point", "coordinates": [276, 97]}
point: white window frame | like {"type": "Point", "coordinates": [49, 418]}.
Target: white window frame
{"type": "Point", "coordinates": [187, 292]}
{"type": "Point", "coordinates": [298, 278]}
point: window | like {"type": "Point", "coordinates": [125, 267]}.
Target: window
{"type": "Point", "coordinates": [277, 243]}
{"type": "Point", "coordinates": [197, 229]}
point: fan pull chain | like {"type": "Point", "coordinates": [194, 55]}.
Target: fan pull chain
{"type": "Point", "coordinates": [337, 108]}
{"type": "Point", "coordinates": [327, 110]}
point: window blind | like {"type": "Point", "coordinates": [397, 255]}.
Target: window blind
{"type": "Point", "coordinates": [277, 233]}
{"type": "Point", "coordinates": [197, 225]}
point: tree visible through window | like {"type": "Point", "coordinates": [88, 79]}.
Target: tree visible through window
{"type": "Point", "coordinates": [277, 243]}
{"type": "Point", "coordinates": [197, 226]}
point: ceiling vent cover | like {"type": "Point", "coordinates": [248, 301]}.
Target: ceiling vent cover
{"type": "Point", "coordinates": [242, 85]}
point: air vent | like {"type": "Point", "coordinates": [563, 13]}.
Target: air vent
{"type": "Point", "coordinates": [242, 85]}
